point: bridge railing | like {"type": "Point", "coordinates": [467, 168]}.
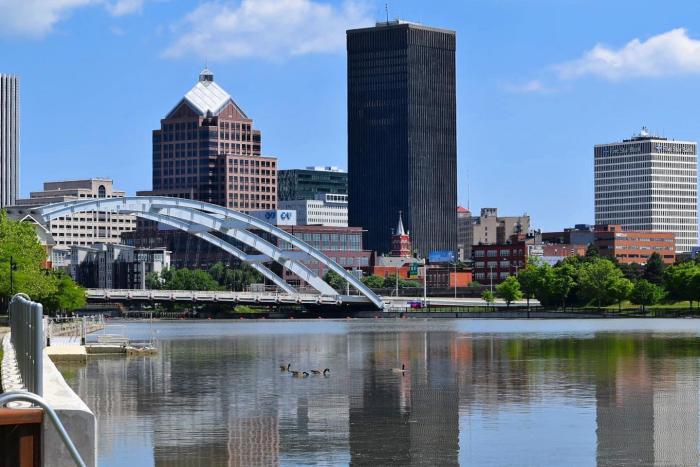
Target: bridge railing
{"type": "Point", "coordinates": [27, 341]}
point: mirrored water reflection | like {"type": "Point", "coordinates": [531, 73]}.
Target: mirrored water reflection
{"type": "Point", "coordinates": [621, 392]}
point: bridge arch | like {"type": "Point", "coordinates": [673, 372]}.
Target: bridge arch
{"type": "Point", "coordinates": [199, 218]}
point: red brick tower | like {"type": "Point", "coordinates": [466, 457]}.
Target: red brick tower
{"type": "Point", "coordinates": [400, 241]}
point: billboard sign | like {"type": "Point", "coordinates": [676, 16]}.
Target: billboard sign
{"type": "Point", "coordinates": [277, 216]}
{"type": "Point", "coordinates": [441, 256]}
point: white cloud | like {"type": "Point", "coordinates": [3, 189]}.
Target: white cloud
{"type": "Point", "coordinates": [670, 53]}
{"type": "Point", "coordinates": [532, 86]}
{"type": "Point", "coordinates": [35, 18]}
{"type": "Point", "coordinates": [271, 29]}
{"type": "Point", "coordinates": [124, 7]}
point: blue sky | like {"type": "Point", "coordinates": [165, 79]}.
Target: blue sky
{"type": "Point", "coordinates": [539, 83]}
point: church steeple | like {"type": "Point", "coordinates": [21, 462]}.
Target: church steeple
{"type": "Point", "coordinates": [400, 241]}
{"type": "Point", "coordinates": [399, 227]}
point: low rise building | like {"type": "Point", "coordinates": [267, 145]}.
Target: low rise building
{"type": "Point", "coordinates": [580, 234]}
{"type": "Point", "coordinates": [494, 263]}
{"type": "Point", "coordinates": [342, 244]}
{"type": "Point", "coordinates": [304, 184]}
{"type": "Point", "coordinates": [81, 229]}
{"type": "Point", "coordinates": [465, 233]}
{"type": "Point", "coordinates": [634, 246]}
{"type": "Point", "coordinates": [325, 209]}
{"type": "Point", "coordinates": [109, 266]}
{"type": "Point", "coordinates": [488, 229]}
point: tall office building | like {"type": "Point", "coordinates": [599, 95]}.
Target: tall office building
{"type": "Point", "coordinates": [9, 139]}
{"type": "Point", "coordinates": [207, 149]}
{"type": "Point", "coordinates": [648, 183]}
{"type": "Point", "coordinates": [402, 152]}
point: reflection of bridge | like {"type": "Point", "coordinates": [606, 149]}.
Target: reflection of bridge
{"type": "Point", "coordinates": [233, 228]}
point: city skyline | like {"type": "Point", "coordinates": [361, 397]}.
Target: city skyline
{"type": "Point", "coordinates": [557, 90]}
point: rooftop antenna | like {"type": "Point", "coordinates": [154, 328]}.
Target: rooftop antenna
{"type": "Point", "coordinates": [386, 8]}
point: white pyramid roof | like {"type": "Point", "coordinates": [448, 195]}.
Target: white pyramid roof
{"type": "Point", "coordinates": [207, 96]}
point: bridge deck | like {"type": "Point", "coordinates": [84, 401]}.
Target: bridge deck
{"type": "Point", "coordinates": [272, 298]}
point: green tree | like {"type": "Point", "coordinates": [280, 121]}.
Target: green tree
{"type": "Point", "coordinates": [335, 280]}
{"type": "Point", "coordinates": [682, 281]}
{"type": "Point", "coordinates": [597, 280]}
{"type": "Point", "coordinates": [68, 296]}
{"type": "Point", "coordinates": [509, 290]}
{"type": "Point", "coordinates": [488, 297]}
{"type": "Point", "coordinates": [592, 252]}
{"type": "Point", "coordinates": [654, 269]}
{"type": "Point", "coordinates": [19, 243]}
{"type": "Point", "coordinates": [187, 279]}
{"type": "Point", "coordinates": [646, 293]}
{"type": "Point", "coordinates": [621, 290]}
{"type": "Point", "coordinates": [153, 281]}
{"type": "Point", "coordinates": [557, 283]}
{"type": "Point", "coordinates": [373, 282]}
{"type": "Point", "coordinates": [235, 278]}
{"type": "Point", "coordinates": [530, 279]}
{"type": "Point", "coordinates": [632, 271]}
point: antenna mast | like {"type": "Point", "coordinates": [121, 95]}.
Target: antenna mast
{"type": "Point", "coordinates": [386, 8]}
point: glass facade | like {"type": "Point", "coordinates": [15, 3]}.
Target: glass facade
{"type": "Point", "coordinates": [402, 153]}
{"type": "Point", "coordinates": [304, 184]}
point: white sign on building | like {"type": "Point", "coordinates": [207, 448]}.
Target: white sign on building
{"type": "Point", "coordinates": [277, 216]}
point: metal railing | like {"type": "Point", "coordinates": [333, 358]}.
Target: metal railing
{"type": "Point", "coordinates": [71, 329]}
{"type": "Point", "coordinates": [27, 338]}
{"type": "Point", "coordinates": [39, 401]}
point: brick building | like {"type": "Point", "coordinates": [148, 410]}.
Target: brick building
{"type": "Point", "coordinates": [342, 244]}
{"type": "Point", "coordinates": [207, 149]}
{"type": "Point", "coordinates": [634, 246]}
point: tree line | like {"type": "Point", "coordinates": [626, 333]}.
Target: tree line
{"type": "Point", "coordinates": [334, 279]}
{"type": "Point", "coordinates": [592, 280]}
{"type": "Point", "coordinates": [23, 270]}
{"type": "Point", "coordinates": [217, 277]}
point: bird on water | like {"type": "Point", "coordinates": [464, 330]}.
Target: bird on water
{"type": "Point", "coordinates": [319, 372]}
{"type": "Point", "coordinates": [285, 368]}
{"type": "Point", "coordinates": [400, 370]}
{"type": "Point", "coordinates": [299, 373]}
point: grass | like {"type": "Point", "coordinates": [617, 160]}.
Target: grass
{"type": "Point", "coordinates": [679, 305]}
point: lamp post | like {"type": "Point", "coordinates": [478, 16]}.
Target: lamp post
{"type": "Point", "coordinates": [455, 278]}
{"type": "Point", "coordinates": [491, 276]}
{"type": "Point", "coordinates": [13, 268]}
{"type": "Point", "coordinates": [397, 281]}
{"type": "Point", "coordinates": [425, 283]}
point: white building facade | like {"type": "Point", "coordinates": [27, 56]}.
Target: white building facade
{"type": "Point", "coordinates": [9, 139]}
{"type": "Point", "coordinates": [82, 229]}
{"type": "Point", "coordinates": [648, 183]}
{"type": "Point", "coordinates": [326, 209]}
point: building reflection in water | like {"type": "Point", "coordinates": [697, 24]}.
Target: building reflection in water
{"type": "Point", "coordinates": [614, 399]}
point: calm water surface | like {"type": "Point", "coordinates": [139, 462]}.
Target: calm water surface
{"type": "Point", "coordinates": [477, 392]}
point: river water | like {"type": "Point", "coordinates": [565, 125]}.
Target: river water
{"type": "Point", "coordinates": [476, 392]}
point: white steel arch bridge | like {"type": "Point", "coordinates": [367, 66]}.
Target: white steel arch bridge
{"type": "Point", "coordinates": [200, 219]}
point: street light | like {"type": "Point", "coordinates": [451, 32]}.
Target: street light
{"type": "Point", "coordinates": [455, 278]}
{"type": "Point", "coordinates": [13, 268]}
{"type": "Point", "coordinates": [491, 276]}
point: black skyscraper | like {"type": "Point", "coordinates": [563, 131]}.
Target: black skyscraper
{"type": "Point", "coordinates": [402, 143]}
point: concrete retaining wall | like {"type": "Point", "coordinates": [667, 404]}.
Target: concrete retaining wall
{"type": "Point", "coordinates": [74, 414]}
{"type": "Point", "coordinates": [76, 417]}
